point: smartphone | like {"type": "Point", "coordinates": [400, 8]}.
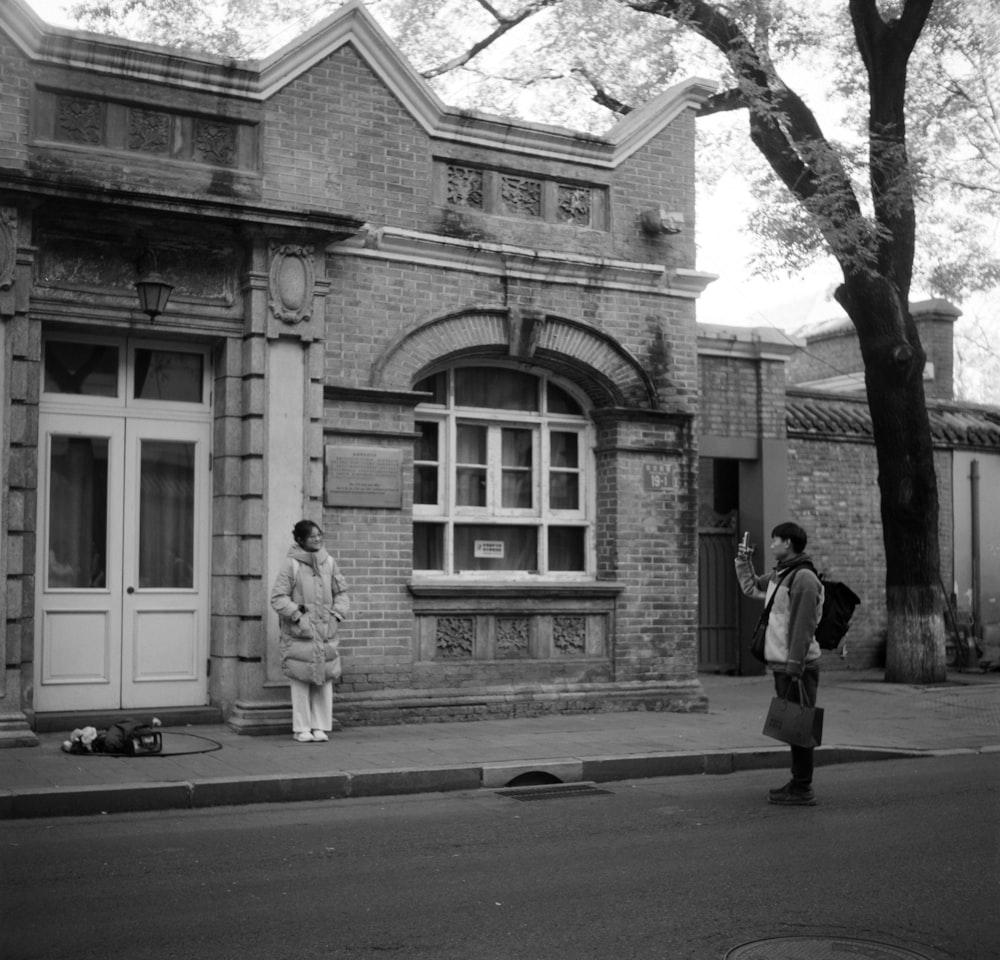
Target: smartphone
{"type": "Point", "coordinates": [745, 542]}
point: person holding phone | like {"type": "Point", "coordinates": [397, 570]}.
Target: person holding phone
{"type": "Point", "coordinates": [790, 647]}
{"type": "Point", "coordinates": [310, 598]}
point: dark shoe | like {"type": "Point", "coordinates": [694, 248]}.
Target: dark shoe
{"type": "Point", "coordinates": [792, 796]}
{"type": "Point", "coordinates": [784, 788]}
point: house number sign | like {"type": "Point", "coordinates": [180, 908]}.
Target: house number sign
{"type": "Point", "coordinates": [364, 477]}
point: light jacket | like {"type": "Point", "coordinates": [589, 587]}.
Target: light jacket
{"type": "Point", "coordinates": [308, 642]}
{"type": "Point", "coordinates": [795, 613]}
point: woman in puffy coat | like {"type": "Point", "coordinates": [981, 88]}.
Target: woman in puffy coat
{"type": "Point", "coordinates": [310, 598]}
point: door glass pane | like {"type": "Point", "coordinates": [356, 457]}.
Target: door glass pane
{"type": "Point", "coordinates": [169, 375]}
{"type": "Point", "coordinates": [87, 369]}
{"type": "Point", "coordinates": [166, 514]}
{"type": "Point", "coordinates": [496, 388]}
{"type": "Point", "coordinates": [484, 547]}
{"type": "Point", "coordinates": [78, 512]}
{"type": "Point", "coordinates": [566, 551]}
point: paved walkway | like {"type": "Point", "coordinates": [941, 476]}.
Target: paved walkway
{"type": "Point", "coordinates": [866, 719]}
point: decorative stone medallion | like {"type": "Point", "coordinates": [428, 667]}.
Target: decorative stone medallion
{"type": "Point", "coordinates": [292, 281]}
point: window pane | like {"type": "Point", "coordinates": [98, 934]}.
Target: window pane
{"type": "Point", "coordinates": [470, 487]}
{"type": "Point", "coordinates": [566, 548]}
{"type": "Point", "coordinates": [564, 491]}
{"type": "Point", "coordinates": [437, 385]}
{"type": "Point", "coordinates": [516, 447]}
{"type": "Point", "coordinates": [168, 375]}
{"type": "Point", "coordinates": [88, 369]}
{"type": "Point", "coordinates": [78, 512]}
{"type": "Point", "coordinates": [425, 484]}
{"type": "Point", "coordinates": [563, 449]}
{"type": "Point", "coordinates": [166, 514]}
{"type": "Point", "coordinates": [428, 546]}
{"type": "Point", "coordinates": [427, 440]}
{"type": "Point", "coordinates": [517, 488]}
{"type": "Point", "coordinates": [496, 388]}
{"type": "Point", "coordinates": [471, 444]}
{"type": "Point", "coordinates": [499, 548]}
{"type": "Point", "coordinates": [559, 401]}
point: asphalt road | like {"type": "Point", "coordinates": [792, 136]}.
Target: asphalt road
{"type": "Point", "coordinates": [901, 852]}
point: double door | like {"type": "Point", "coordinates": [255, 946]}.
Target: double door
{"type": "Point", "coordinates": [122, 578]}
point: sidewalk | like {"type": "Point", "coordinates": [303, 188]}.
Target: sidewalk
{"type": "Point", "coordinates": [865, 719]}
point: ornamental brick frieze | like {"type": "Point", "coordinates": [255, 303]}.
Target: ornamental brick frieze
{"type": "Point", "coordinates": [291, 282]}
{"type": "Point", "coordinates": [110, 125]}
{"type": "Point", "coordinates": [529, 197]}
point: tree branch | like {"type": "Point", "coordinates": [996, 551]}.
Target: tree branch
{"type": "Point", "coordinates": [504, 25]}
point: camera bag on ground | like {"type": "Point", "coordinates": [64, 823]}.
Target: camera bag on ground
{"type": "Point", "coordinates": [130, 738]}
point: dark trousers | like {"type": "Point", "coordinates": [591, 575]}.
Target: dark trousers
{"type": "Point", "coordinates": [802, 757]}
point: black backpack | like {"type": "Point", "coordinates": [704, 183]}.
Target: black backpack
{"type": "Point", "coordinates": [839, 601]}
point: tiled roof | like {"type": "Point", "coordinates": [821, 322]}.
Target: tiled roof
{"type": "Point", "coordinates": [836, 417]}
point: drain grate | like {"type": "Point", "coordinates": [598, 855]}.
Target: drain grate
{"type": "Point", "coordinates": [553, 791]}
{"type": "Point", "coordinates": [820, 948]}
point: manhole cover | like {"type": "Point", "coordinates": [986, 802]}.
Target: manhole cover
{"type": "Point", "coordinates": [820, 948]}
{"type": "Point", "coordinates": [552, 792]}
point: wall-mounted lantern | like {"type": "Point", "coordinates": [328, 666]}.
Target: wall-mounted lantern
{"type": "Point", "coordinates": [153, 290]}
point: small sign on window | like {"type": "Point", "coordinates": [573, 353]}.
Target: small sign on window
{"type": "Point", "coordinates": [489, 549]}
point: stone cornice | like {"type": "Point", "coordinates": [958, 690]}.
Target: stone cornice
{"type": "Point", "coordinates": [327, 226]}
{"type": "Point", "coordinates": [522, 263]}
{"type": "Point", "coordinates": [259, 80]}
{"type": "Point", "coordinates": [750, 343]}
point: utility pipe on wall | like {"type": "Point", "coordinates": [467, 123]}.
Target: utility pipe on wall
{"type": "Point", "coordinates": [977, 584]}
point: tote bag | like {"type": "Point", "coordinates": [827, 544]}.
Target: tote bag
{"type": "Point", "coordinates": [795, 723]}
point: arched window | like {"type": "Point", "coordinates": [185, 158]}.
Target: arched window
{"type": "Point", "coordinates": [502, 475]}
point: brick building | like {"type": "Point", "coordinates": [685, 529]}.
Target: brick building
{"type": "Point", "coordinates": [466, 347]}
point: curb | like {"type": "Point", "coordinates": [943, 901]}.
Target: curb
{"type": "Point", "coordinates": [281, 788]}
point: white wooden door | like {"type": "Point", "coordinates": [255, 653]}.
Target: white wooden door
{"type": "Point", "coordinates": [164, 647]}
{"type": "Point", "coordinates": [123, 579]}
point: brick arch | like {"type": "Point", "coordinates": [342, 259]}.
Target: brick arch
{"type": "Point", "coordinates": [596, 362]}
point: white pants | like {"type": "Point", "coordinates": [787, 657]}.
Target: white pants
{"type": "Point", "coordinates": [312, 706]}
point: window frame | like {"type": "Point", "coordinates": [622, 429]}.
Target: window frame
{"type": "Point", "coordinates": [446, 514]}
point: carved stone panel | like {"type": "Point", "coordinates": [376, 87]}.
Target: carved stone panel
{"type": "Point", "coordinates": [79, 120]}
{"type": "Point", "coordinates": [569, 635]}
{"type": "Point", "coordinates": [512, 636]}
{"type": "Point", "coordinates": [465, 186]}
{"type": "Point", "coordinates": [215, 143]}
{"type": "Point", "coordinates": [574, 205]}
{"type": "Point", "coordinates": [521, 196]}
{"type": "Point", "coordinates": [455, 636]}
{"type": "Point", "coordinates": [148, 131]}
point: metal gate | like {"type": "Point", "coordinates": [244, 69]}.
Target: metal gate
{"type": "Point", "coordinates": [718, 601]}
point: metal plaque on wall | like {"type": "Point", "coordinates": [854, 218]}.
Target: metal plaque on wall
{"type": "Point", "coordinates": [364, 477]}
